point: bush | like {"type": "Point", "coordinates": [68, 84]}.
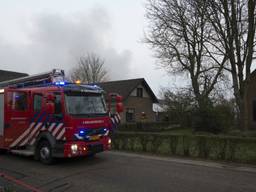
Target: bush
{"type": "Point", "coordinates": [144, 126]}
{"type": "Point", "coordinates": [214, 119]}
{"type": "Point", "coordinates": [179, 106]}
{"type": "Point", "coordinates": [227, 148]}
{"type": "Point", "coordinates": [215, 114]}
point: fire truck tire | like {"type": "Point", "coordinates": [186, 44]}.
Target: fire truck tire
{"type": "Point", "coordinates": [3, 151]}
{"type": "Point", "coordinates": [44, 152]}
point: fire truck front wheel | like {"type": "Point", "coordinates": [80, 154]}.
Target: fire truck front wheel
{"type": "Point", "coordinates": [44, 152]}
{"type": "Point", "coordinates": [3, 151]}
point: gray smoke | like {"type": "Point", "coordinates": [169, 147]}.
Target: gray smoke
{"type": "Point", "coordinates": [57, 41]}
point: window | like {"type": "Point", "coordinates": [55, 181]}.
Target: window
{"type": "Point", "coordinates": [17, 101]}
{"type": "Point", "coordinates": [38, 100]}
{"type": "Point", "coordinates": [130, 117]}
{"type": "Point", "coordinates": [84, 103]}
{"type": "Point", "coordinates": [57, 103]}
{"type": "Point", "coordinates": [254, 110]}
{"type": "Point", "coordinates": [139, 92]}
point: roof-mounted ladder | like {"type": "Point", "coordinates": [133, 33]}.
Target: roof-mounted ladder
{"type": "Point", "coordinates": [56, 75]}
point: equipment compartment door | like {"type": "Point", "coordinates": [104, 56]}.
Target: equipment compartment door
{"type": "Point", "coordinates": [17, 118]}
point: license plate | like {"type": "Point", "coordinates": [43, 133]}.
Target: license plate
{"type": "Point", "coordinates": [94, 137]}
{"type": "Point", "coordinates": [96, 148]}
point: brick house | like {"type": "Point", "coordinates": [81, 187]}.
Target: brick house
{"type": "Point", "coordinates": [138, 99]}
{"type": "Point", "coordinates": [250, 102]}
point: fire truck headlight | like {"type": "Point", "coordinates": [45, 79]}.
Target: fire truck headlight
{"type": "Point", "coordinates": [74, 148]}
{"type": "Point", "coordinates": [106, 131]}
{"type": "Point", "coordinates": [109, 141]}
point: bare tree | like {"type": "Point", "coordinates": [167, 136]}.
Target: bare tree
{"type": "Point", "coordinates": [234, 23]}
{"type": "Point", "coordinates": [179, 104]}
{"type": "Point", "coordinates": [179, 33]}
{"type": "Point", "coordinates": [90, 69]}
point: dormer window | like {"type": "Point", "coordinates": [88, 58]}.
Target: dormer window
{"type": "Point", "coordinates": [139, 92]}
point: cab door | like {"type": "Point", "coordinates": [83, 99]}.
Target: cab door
{"type": "Point", "coordinates": [16, 118]}
{"type": "Point", "coordinates": [38, 117]}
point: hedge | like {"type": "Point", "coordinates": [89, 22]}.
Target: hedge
{"type": "Point", "coordinates": [146, 126]}
{"type": "Point", "coordinates": [227, 148]}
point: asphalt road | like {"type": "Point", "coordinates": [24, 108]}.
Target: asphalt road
{"type": "Point", "coordinates": [115, 171]}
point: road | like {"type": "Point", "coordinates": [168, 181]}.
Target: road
{"type": "Point", "coordinates": [117, 172]}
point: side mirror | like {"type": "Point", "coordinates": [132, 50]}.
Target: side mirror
{"type": "Point", "coordinates": [119, 98]}
{"type": "Point", "coordinates": [119, 107]}
{"type": "Point", "coordinates": [115, 103]}
{"type": "Point", "coordinates": [50, 108]}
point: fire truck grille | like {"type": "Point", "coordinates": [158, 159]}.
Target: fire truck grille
{"type": "Point", "coordinates": [99, 131]}
{"type": "Point", "coordinates": [96, 148]}
{"type": "Point", "coordinates": [91, 134]}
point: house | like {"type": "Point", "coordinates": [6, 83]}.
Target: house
{"type": "Point", "coordinates": [138, 99]}
{"type": "Point", "coordinates": [250, 102]}
{"type": "Point", "coordinates": [9, 75]}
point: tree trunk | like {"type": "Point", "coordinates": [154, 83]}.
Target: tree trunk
{"type": "Point", "coordinates": [243, 112]}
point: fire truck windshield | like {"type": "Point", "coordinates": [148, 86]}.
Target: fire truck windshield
{"type": "Point", "coordinates": [78, 103]}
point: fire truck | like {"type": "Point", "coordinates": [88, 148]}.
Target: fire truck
{"type": "Point", "coordinates": [47, 117]}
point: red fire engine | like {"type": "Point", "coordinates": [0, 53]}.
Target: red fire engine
{"type": "Point", "coordinates": [47, 117]}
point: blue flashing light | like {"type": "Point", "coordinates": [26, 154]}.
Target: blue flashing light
{"type": "Point", "coordinates": [82, 133]}
{"type": "Point", "coordinates": [60, 83]}
{"type": "Point", "coordinates": [94, 86]}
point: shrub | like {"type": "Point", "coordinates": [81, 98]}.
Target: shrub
{"type": "Point", "coordinates": [209, 147]}
{"type": "Point", "coordinates": [144, 126]}
{"type": "Point", "coordinates": [214, 119]}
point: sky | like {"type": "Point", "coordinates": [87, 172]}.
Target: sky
{"type": "Point", "coordinates": [39, 35]}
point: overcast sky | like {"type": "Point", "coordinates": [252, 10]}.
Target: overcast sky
{"type": "Point", "coordinates": [38, 35]}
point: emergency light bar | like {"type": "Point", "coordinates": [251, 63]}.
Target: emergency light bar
{"type": "Point", "coordinates": [60, 83]}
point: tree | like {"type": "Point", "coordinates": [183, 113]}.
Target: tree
{"type": "Point", "coordinates": [234, 24]}
{"type": "Point", "coordinates": [90, 69]}
{"type": "Point", "coordinates": [179, 105]}
{"type": "Point", "coordinates": [179, 33]}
